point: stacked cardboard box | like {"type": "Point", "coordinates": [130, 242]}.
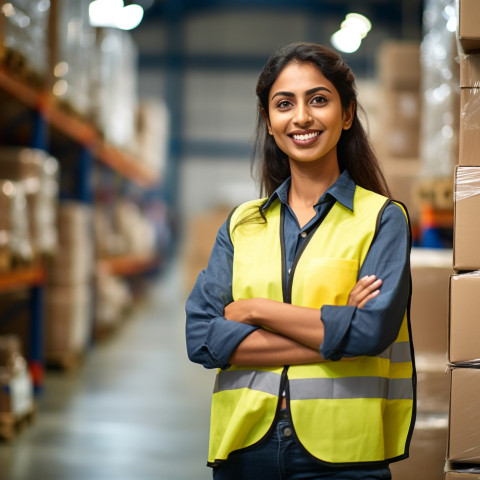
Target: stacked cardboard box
{"type": "Point", "coordinates": [16, 386]}
{"type": "Point", "coordinates": [397, 138]}
{"type": "Point", "coordinates": [399, 65]}
{"type": "Point", "coordinates": [463, 452]}
{"type": "Point", "coordinates": [23, 38]}
{"type": "Point", "coordinates": [35, 175]}
{"type": "Point", "coordinates": [431, 270]}
{"type": "Point", "coordinates": [69, 297]}
{"type": "Point", "coordinates": [200, 236]}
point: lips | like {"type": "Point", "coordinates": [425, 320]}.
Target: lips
{"type": "Point", "coordinates": [305, 137]}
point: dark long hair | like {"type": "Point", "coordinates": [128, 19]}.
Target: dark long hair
{"type": "Point", "coordinates": [354, 151]}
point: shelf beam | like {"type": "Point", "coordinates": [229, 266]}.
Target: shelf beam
{"type": "Point", "coordinates": [128, 265]}
{"type": "Point", "coordinates": [22, 278]}
{"type": "Point", "coordinates": [78, 130]}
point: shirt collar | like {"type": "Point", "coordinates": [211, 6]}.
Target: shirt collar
{"type": "Point", "coordinates": [343, 191]}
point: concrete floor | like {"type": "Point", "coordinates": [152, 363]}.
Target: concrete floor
{"type": "Point", "coordinates": [136, 409]}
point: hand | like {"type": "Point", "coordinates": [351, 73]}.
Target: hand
{"type": "Point", "coordinates": [242, 311]}
{"type": "Point", "coordinates": [364, 290]}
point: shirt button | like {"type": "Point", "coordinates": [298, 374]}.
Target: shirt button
{"type": "Point", "coordinates": [303, 234]}
{"type": "Point", "coordinates": [287, 432]}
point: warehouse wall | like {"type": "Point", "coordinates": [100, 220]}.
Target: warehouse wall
{"type": "Point", "coordinates": [223, 52]}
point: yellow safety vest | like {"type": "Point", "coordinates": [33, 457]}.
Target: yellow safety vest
{"type": "Point", "coordinates": [343, 412]}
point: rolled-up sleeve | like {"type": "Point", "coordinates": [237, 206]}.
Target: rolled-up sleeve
{"type": "Point", "coordinates": [351, 331]}
{"type": "Point", "coordinates": [211, 338]}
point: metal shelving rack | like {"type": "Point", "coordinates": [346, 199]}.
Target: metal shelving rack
{"type": "Point", "coordinates": [94, 151]}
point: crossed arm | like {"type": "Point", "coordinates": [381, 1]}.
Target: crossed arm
{"type": "Point", "coordinates": [282, 341]}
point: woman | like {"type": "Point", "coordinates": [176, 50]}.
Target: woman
{"type": "Point", "coordinates": [304, 304]}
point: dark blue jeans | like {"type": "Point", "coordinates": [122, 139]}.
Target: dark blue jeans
{"type": "Point", "coordinates": [281, 458]}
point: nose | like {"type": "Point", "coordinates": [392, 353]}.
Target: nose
{"type": "Point", "coordinates": [303, 115]}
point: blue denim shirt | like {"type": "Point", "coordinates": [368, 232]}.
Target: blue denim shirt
{"type": "Point", "coordinates": [349, 331]}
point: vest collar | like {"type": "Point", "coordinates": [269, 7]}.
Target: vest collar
{"type": "Point", "coordinates": [343, 191]}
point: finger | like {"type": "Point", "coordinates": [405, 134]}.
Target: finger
{"type": "Point", "coordinates": [366, 290]}
{"type": "Point", "coordinates": [361, 285]}
{"type": "Point", "coordinates": [368, 298]}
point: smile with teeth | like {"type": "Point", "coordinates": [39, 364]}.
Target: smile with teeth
{"type": "Point", "coordinates": [306, 136]}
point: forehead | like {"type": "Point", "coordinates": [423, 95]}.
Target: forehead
{"type": "Point", "coordinates": [298, 77]}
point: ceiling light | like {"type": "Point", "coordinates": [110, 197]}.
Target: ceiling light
{"type": "Point", "coordinates": [346, 40]}
{"type": "Point", "coordinates": [357, 23]}
{"type": "Point", "coordinates": [353, 29]}
{"type": "Point", "coordinates": [113, 13]}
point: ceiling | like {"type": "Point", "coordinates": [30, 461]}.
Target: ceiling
{"type": "Point", "coordinates": [398, 19]}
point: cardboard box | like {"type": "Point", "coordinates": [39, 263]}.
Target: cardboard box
{"type": "Point", "coordinates": [433, 383]}
{"type": "Point", "coordinates": [466, 254]}
{"type": "Point", "coordinates": [75, 223]}
{"type": "Point", "coordinates": [469, 128]}
{"type": "Point", "coordinates": [468, 32]}
{"type": "Point", "coordinates": [469, 133]}
{"type": "Point", "coordinates": [401, 176]}
{"type": "Point", "coordinates": [462, 475]}
{"type": "Point", "coordinates": [200, 238]}
{"type": "Point", "coordinates": [68, 319]}
{"type": "Point", "coordinates": [464, 422]}
{"type": "Point", "coordinates": [399, 65]}
{"type": "Point", "coordinates": [401, 142]}
{"type": "Point", "coordinates": [427, 450]}
{"type": "Point", "coordinates": [464, 322]}
{"type": "Point", "coordinates": [431, 270]}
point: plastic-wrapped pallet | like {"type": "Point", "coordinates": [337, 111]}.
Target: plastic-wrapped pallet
{"type": "Point", "coordinates": [37, 172]}
{"type": "Point", "coordinates": [15, 246]}
{"type": "Point", "coordinates": [440, 76]}
{"type": "Point", "coordinates": [72, 45]}
{"type": "Point", "coordinates": [137, 232]}
{"type": "Point", "coordinates": [69, 302]}
{"type": "Point", "coordinates": [114, 86]}
{"type": "Point", "coordinates": [16, 387]}
{"type": "Point", "coordinates": [25, 38]}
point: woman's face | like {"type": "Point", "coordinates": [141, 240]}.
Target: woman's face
{"type": "Point", "coordinates": [306, 117]}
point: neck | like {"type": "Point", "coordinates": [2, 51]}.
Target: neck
{"type": "Point", "coordinates": [309, 182]}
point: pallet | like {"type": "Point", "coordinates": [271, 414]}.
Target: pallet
{"type": "Point", "coordinates": [11, 425]}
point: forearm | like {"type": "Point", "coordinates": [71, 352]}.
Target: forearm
{"type": "Point", "coordinates": [301, 324]}
{"type": "Point", "coordinates": [266, 349]}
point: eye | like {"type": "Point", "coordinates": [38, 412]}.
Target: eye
{"type": "Point", "coordinates": [319, 100]}
{"type": "Point", "coordinates": [284, 104]}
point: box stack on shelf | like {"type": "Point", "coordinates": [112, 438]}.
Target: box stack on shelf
{"type": "Point", "coordinates": [463, 452]}
{"type": "Point", "coordinates": [69, 295]}
{"type": "Point", "coordinates": [397, 141]}
{"type": "Point", "coordinates": [35, 172]}
{"type": "Point", "coordinates": [431, 269]}
{"type": "Point", "coordinates": [24, 44]}
{"type": "Point", "coordinates": [72, 41]}
{"type": "Point", "coordinates": [68, 93]}
{"type": "Point", "coordinates": [17, 405]}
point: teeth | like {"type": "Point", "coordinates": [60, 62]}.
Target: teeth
{"type": "Point", "coordinates": [306, 136]}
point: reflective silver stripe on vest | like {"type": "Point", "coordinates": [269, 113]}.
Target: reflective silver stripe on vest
{"type": "Point", "coordinates": [399, 352]}
{"type": "Point", "coordinates": [267, 382]}
{"type": "Point", "coordinates": [351, 387]}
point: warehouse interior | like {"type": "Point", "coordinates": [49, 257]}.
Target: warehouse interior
{"type": "Point", "coordinates": [122, 152]}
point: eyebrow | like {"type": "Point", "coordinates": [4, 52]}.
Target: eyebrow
{"type": "Point", "coordinates": [308, 92]}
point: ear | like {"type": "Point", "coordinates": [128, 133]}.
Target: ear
{"type": "Point", "coordinates": [267, 121]}
{"type": "Point", "coordinates": [348, 115]}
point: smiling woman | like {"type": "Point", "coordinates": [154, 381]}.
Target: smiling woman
{"type": "Point", "coordinates": [304, 304]}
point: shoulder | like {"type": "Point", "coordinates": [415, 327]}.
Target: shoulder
{"type": "Point", "coordinates": [393, 221]}
{"type": "Point", "coordinates": [245, 211]}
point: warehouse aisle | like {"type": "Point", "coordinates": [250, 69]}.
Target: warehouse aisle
{"type": "Point", "coordinates": [136, 410]}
